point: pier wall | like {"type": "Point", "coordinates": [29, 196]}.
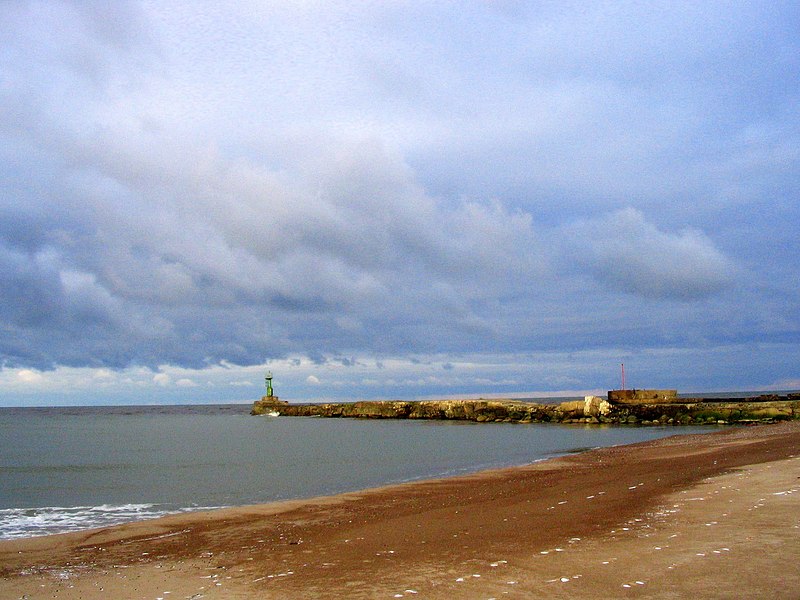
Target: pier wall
{"type": "Point", "coordinates": [643, 396]}
{"type": "Point", "coordinates": [592, 409]}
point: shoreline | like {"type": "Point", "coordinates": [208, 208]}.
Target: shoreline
{"type": "Point", "coordinates": [509, 524]}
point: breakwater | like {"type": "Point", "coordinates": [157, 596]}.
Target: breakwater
{"type": "Point", "coordinates": [593, 409]}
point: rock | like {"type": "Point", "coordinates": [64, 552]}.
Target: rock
{"type": "Point", "coordinates": [596, 406]}
{"type": "Point", "coordinates": [592, 410]}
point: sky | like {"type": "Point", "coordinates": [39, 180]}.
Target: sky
{"type": "Point", "coordinates": [396, 199]}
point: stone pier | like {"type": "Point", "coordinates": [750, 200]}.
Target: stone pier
{"type": "Point", "coordinates": [592, 409]}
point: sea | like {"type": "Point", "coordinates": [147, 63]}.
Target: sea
{"type": "Point", "coordinates": [71, 468]}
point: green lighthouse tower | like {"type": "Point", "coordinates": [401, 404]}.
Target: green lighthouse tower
{"type": "Point", "coordinates": [269, 404]}
{"type": "Point", "coordinates": [268, 380]}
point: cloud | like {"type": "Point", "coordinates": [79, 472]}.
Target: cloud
{"type": "Point", "coordinates": [241, 383]}
{"type": "Point", "coordinates": [313, 380]}
{"type": "Point", "coordinates": [625, 252]}
{"type": "Point", "coordinates": [194, 186]}
{"type": "Point", "coordinates": [28, 376]}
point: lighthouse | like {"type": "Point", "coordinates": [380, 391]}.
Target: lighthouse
{"type": "Point", "coordinates": [268, 380]}
{"type": "Point", "coordinates": [270, 399]}
{"type": "Point", "coordinates": [269, 404]}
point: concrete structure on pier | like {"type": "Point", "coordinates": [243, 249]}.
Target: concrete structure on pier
{"type": "Point", "coordinates": [643, 396]}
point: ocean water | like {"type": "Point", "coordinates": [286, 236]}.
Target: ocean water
{"type": "Point", "coordinates": [65, 469]}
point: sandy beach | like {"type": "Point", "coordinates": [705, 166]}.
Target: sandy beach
{"type": "Point", "coordinates": [715, 515]}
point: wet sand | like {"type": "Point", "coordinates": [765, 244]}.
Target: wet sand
{"type": "Point", "coordinates": [714, 516]}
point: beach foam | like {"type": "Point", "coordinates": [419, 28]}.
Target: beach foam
{"type": "Point", "coordinates": [46, 520]}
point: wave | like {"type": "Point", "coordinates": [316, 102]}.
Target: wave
{"type": "Point", "coordinates": [47, 520]}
